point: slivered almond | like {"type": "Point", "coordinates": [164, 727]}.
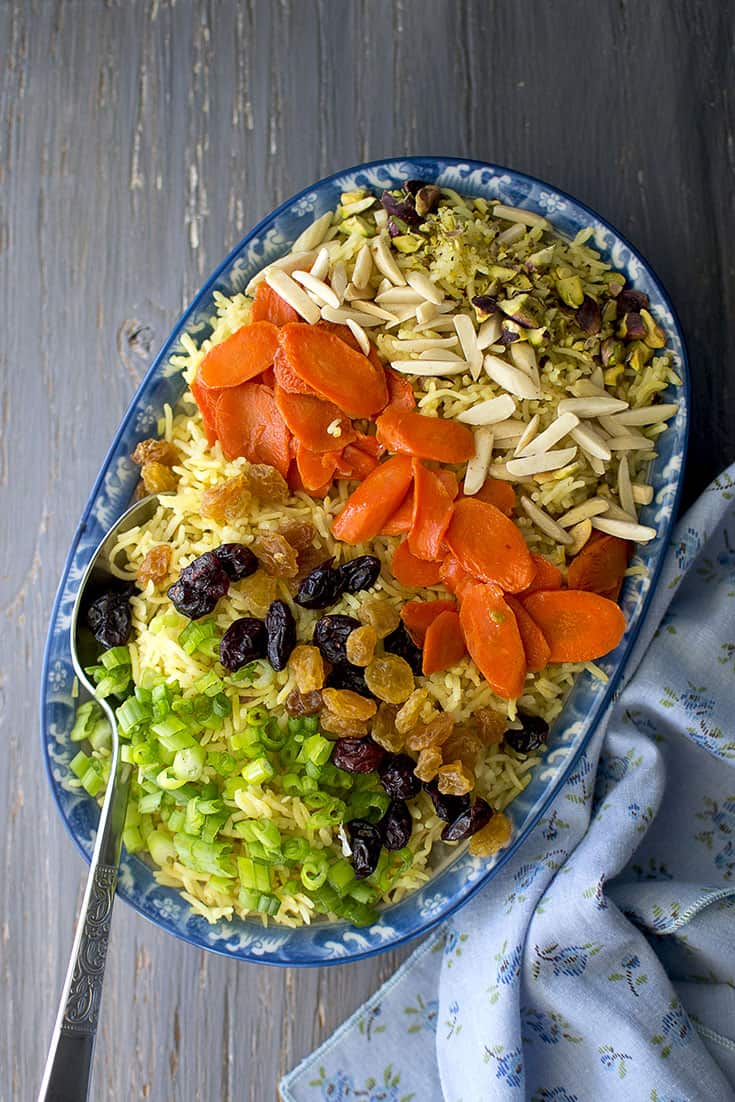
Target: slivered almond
{"type": "Point", "coordinates": [556, 431]}
{"type": "Point", "coordinates": [625, 530]}
{"type": "Point", "coordinates": [647, 415]}
{"type": "Point", "coordinates": [288, 263]}
{"type": "Point", "coordinates": [632, 442]}
{"type": "Point", "coordinates": [547, 461]}
{"type": "Point", "coordinates": [381, 218]}
{"type": "Point", "coordinates": [440, 354]}
{"type": "Point", "coordinates": [476, 363]}
{"type": "Point", "coordinates": [580, 534]}
{"type": "Point", "coordinates": [524, 358]}
{"type": "Point", "coordinates": [512, 234]}
{"type": "Point", "coordinates": [354, 294]}
{"type": "Point", "coordinates": [402, 314]}
{"type": "Point", "coordinates": [510, 378]}
{"type": "Point", "coordinates": [321, 290]}
{"type": "Point", "coordinates": [385, 262]}
{"type": "Point", "coordinates": [642, 493]}
{"type": "Point", "coordinates": [488, 412]}
{"type": "Point", "coordinates": [363, 268]}
{"type": "Point", "coordinates": [320, 267]}
{"type": "Point", "coordinates": [425, 312]}
{"type": "Point", "coordinates": [422, 343]}
{"type": "Point", "coordinates": [340, 316]}
{"type": "Point", "coordinates": [466, 333]}
{"type": "Point", "coordinates": [428, 367]}
{"type": "Point", "coordinates": [506, 430]}
{"type": "Point", "coordinates": [597, 465]}
{"type": "Point", "coordinates": [383, 286]}
{"type": "Point", "coordinates": [625, 489]}
{"type": "Point", "coordinates": [477, 467]}
{"type": "Point", "coordinates": [378, 311]}
{"type": "Point", "coordinates": [437, 325]}
{"type": "Point", "coordinates": [291, 293]}
{"type": "Point", "coordinates": [585, 388]}
{"type": "Point", "coordinates": [590, 508]}
{"type": "Point", "coordinates": [399, 296]}
{"type": "Point", "coordinates": [360, 335]}
{"type": "Point", "coordinates": [606, 422]}
{"type": "Point", "coordinates": [528, 434]}
{"type": "Point", "coordinates": [425, 287]}
{"type": "Point", "coordinates": [517, 214]}
{"type": "Point", "coordinates": [488, 332]}
{"type": "Point", "coordinates": [615, 512]}
{"type": "Point", "coordinates": [591, 407]}
{"type": "Point", "coordinates": [312, 236]}
{"type": "Point", "coordinates": [338, 279]}
{"type": "Point", "coordinates": [597, 377]}
{"type": "Point", "coordinates": [500, 470]}
{"type": "Point", "coordinates": [591, 442]}
{"type": "Point", "coordinates": [543, 521]}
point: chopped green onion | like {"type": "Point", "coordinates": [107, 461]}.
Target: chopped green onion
{"type": "Point", "coordinates": [211, 857]}
{"type": "Point", "coordinates": [254, 874]}
{"type": "Point", "coordinates": [150, 802]}
{"type": "Point", "coordinates": [341, 874]}
{"type": "Point", "coordinates": [79, 764]}
{"type": "Point", "coordinates": [189, 762]}
{"type": "Point", "coordinates": [224, 764]}
{"type": "Point", "coordinates": [295, 850]}
{"type": "Point", "coordinates": [161, 847]}
{"type": "Point", "coordinates": [196, 635]}
{"type": "Point", "coordinates": [132, 839]}
{"type": "Point", "coordinates": [258, 771]}
{"type": "Point", "coordinates": [87, 716]}
{"type": "Point", "coordinates": [209, 684]}
{"type": "Point", "coordinates": [114, 657]}
{"type": "Point", "coordinates": [314, 870]}
{"type": "Point", "coordinates": [315, 750]}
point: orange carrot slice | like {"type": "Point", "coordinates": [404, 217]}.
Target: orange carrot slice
{"type": "Point", "coordinates": [369, 444]}
{"type": "Point", "coordinates": [316, 468]}
{"type": "Point", "coordinates": [355, 463]}
{"type": "Point", "coordinates": [455, 577]}
{"type": "Point", "coordinates": [410, 571]}
{"type": "Point", "coordinates": [578, 626]}
{"type": "Point", "coordinates": [498, 493]}
{"type": "Point", "coordinates": [547, 576]}
{"type": "Point", "coordinates": [368, 508]}
{"type": "Point", "coordinates": [410, 433]}
{"type": "Point", "coordinates": [400, 390]}
{"type": "Point", "coordinates": [206, 399]}
{"type": "Point", "coordinates": [493, 640]}
{"type": "Point", "coordinates": [287, 379]}
{"type": "Point", "coordinates": [247, 353]}
{"type": "Point", "coordinates": [432, 511]}
{"type": "Point", "coordinates": [489, 546]}
{"type": "Point", "coordinates": [248, 423]}
{"type": "Point", "coordinates": [417, 615]}
{"type": "Point", "coordinates": [269, 306]}
{"type": "Point", "coordinates": [444, 644]}
{"type": "Point", "coordinates": [600, 566]}
{"type": "Point", "coordinates": [400, 523]}
{"type": "Point", "coordinates": [534, 642]}
{"type": "Point", "coordinates": [296, 483]}
{"type": "Point", "coordinates": [334, 370]}
{"type": "Point", "coordinates": [450, 481]}
{"type": "Point", "coordinates": [310, 420]}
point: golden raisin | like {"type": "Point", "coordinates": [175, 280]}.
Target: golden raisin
{"type": "Point", "coordinates": [343, 728]}
{"type": "Point", "coordinates": [226, 501]}
{"type": "Point", "coordinates": [258, 591]}
{"type": "Point", "coordinates": [157, 478]}
{"type": "Point", "coordinates": [275, 554]}
{"type": "Point", "coordinates": [390, 678]}
{"type": "Point", "coordinates": [155, 451]}
{"type": "Point", "coordinates": [463, 745]}
{"type": "Point", "coordinates": [492, 837]}
{"type": "Point", "coordinates": [381, 615]}
{"type": "Point", "coordinates": [434, 733]}
{"type": "Point", "coordinates": [428, 764]}
{"type": "Point", "coordinates": [308, 559]}
{"type": "Point", "coordinates": [267, 483]}
{"type": "Point", "coordinates": [360, 645]}
{"type": "Point", "coordinates": [491, 726]}
{"type": "Point", "coordinates": [299, 533]}
{"type": "Point", "coordinates": [410, 712]}
{"type": "Point", "coordinates": [154, 567]}
{"type": "Point", "coordinates": [303, 704]}
{"type": "Point", "coordinates": [348, 705]}
{"type": "Point", "coordinates": [455, 779]}
{"type": "Point", "coordinates": [307, 665]}
{"type": "Point", "coordinates": [384, 731]}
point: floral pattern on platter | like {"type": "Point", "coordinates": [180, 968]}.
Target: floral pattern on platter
{"type": "Point", "coordinates": [455, 883]}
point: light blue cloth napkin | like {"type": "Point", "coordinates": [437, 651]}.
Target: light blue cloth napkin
{"type": "Point", "coordinates": [600, 962]}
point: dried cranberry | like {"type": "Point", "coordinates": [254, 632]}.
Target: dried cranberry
{"type": "Point", "coordinates": [366, 845]}
{"type": "Point", "coordinates": [243, 642]}
{"type": "Point", "coordinates": [109, 619]}
{"type": "Point", "coordinates": [398, 779]}
{"type": "Point", "coordinates": [200, 586]}
{"type": "Point", "coordinates": [396, 825]}
{"type": "Point", "coordinates": [533, 735]}
{"type": "Point", "coordinates": [469, 822]}
{"type": "Point", "coordinates": [320, 588]}
{"type": "Point", "coordinates": [357, 755]}
{"type": "Point", "coordinates": [344, 675]}
{"type": "Point", "coordinates": [280, 628]}
{"type": "Point", "coordinates": [359, 573]}
{"type": "Point", "coordinates": [447, 808]}
{"type": "Point", "coordinates": [401, 206]}
{"type": "Point", "coordinates": [400, 642]}
{"type": "Point", "coordinates": [330, 635]}
{"type": "Point", "coordinates": [236, 560]}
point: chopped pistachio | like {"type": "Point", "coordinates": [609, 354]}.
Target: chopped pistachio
{"type": "Point", "coordinates": [655, 336]}
{"type": "Point", "coordinates": [524, 309]}
{"type": "Point", "coordinates": [427, 199]}
{"type": "Point", "coordinates": [612, 351]}
{"type": "Point", "coordinates": [501, 272]}
{"type": "Point", "coordinates": [613, 374]}
{"type": "Point", "coordinates": [609, 312]}
{"type": "Point", "coordinates": [638, 355]}
{"type": "Point", "coordinates": [407, 243]}
{"type": "Point", "coordinates": [540, 259]}
{"type": "Point", "coordinates": [570, 290]}
{"type": "Point", "coordinates": [632, 327]}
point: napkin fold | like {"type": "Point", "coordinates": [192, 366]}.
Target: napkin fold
{"type": "Point", "coordinates": [600, 962]}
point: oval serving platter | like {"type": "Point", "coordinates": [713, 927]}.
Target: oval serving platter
{"type": "Point", "coordinates": [327, 943]}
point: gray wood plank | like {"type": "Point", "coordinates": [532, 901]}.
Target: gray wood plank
{"type": "Point", "coordinates": [138, 141]}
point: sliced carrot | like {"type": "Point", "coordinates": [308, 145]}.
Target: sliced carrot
{"type": "Point", "coordinates": [444, 644]}
{"type": "Point", "coordinates": [400, 390]}
{"type": "Point", "coordinates": [410, 433]}
{"type": "Point", "coordinates": [316, 468]}
{"type": "Point", "coordinates": [579, 626]}
{"type": "Point", "coordinates": [296, 483]}
{"type": "Point", "coordinates": [600, 566]}
{"type": "Point", "coordinates": [247, 353]}
{"type": "Point", "coordinates": [493, 640]}
{"type": "Point", "coordinates": [310, 420]}
{"type": "Point", "coordinates": [334, 370]}
{"type": "Point", "coordinates": [455, 577]}
{"type": "Point", "coordinates": [206, 399]}
{"type": "Point", "coordinates": [547, 576]}
{"type": "Point", "coordinates": [417, 615]}
{"type": "Point", "coordinates": [450, 480]}
{"type": "Point", "coordinates": [534, 642]}
{"type": "Point", "coordinates": [355, 463]}
{"type": "Point", "coordinates": [498, 493]}
{"type": "Point", "coordinates": [248, 423]}
{"type": "Point", "coordinates": [489, 546]}
{"type": "Point", "coordinates": [287, 379]}
{"type": "Point", "coordinates": [431, 514]}
{"type": "Point", "coordinates": [369, 444]}
{"type": "Point", "coordinates": [269, 306]}
{"type": "Point", "coordinates": [368, 508]}
{"type": "Point", "coordinates": [410, 571]}
{"type": "Point", "coordinates": [400, 523]}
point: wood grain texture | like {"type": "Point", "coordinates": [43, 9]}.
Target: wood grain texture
{"type": "Point", "coordinates": [138, 141]}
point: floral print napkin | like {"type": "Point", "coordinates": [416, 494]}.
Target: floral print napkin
{"type": "Point", "coordinates": [600, 962]}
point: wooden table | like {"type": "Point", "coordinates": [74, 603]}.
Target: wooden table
{"type": "Point", "coordinates": [138, 141]}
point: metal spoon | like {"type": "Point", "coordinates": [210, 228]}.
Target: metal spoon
{"type": "Point", "coordinates": [68, 1068]}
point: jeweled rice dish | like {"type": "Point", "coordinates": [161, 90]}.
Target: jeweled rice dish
{"type": "Point", "coordinates": [399, 497]}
